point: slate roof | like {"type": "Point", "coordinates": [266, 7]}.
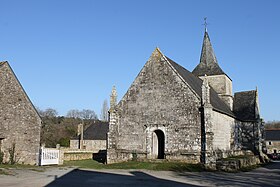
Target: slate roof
{"type": "Point", "coordinates": [273, 134]}
{"type": "Point", "coordinates": [208, 62]}
{"type": "Point", "coordinates": [196, 84]}
{"type": "Point", "coordinates": [244, 105]}
{"type": "Point", "coordinates": [96, 131]}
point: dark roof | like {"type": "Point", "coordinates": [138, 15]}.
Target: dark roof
{"type": "Point", "coordinates": [196, 84]}
{"type": "Point", "coordinates": [97, 131]}
{"type": "Point", "coordinates": [208, 62]}
{"type": "Point", "coordinates": [272, 134]}
{"type": "Point", "coordinates": [244, 105]}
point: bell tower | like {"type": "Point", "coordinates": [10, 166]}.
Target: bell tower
{"type": "Point", "coordinates": [209, 66]}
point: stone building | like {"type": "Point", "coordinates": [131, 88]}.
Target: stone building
{"type": "Point", "coordinates": [93, 138]}
{"type": "Point", "coordinates": [272, 141]}
{"type": "Point", "coordinates": [20, 123]}
{"type": "Point", "coordinates": [171, 113]}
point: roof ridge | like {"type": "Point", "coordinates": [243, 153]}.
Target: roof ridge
{"type": "Point", "coordinates": [195, 83]}
{"type": "Point", "coordinates": [170, 62]}
{"type": "Point", "coordinates": [246, 91]}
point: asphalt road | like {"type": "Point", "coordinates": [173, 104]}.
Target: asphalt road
{"type": "Point", "coordinates": [265, 176]}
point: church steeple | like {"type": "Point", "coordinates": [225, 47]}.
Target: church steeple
{"type": "Point", "coordinates": [209, 66]}
{"type": "Point", "coordinates": [208, 62]}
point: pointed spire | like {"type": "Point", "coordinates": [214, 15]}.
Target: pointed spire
{"type": "Point", "coordinates": [207, 52]}
{"type": "Point", "coordinates": [208, 62]}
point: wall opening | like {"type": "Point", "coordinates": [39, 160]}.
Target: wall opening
{"type": "Point", "coordinates": [158, 144]}
{"type": "Point", "coordinates": [1, 143]}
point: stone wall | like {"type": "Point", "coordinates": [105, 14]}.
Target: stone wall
{"type": "Point", "coordinates": [19, 122]}
{"type": "Point", "coordinates": [249, 136]}
{"type": "Point", "coordinates": [272, 146]}
{"type": "Point", "coordinates": [236, 164]}
{"type": "Point", "coordinates": [223, 129]}
{"type": "Point", "coordinates": [67, 156]}
{"type": "Point", "coordinates": [89, 145]}
{"type": "Point", "coordinates": [223, 86]}
{"type": "Point", "coordinates": [158, 99]}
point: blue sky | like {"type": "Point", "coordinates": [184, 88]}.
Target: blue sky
{"type": "Point", "coordinates": [68, 53]}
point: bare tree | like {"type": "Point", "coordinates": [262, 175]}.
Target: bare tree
{"type": "Point", "coordinates": [40, 112]}
{"type": "Point", "coordinates": [104, 111]}
{"type": "Point", "coordinates": [74, 113]}
{"type": "Point", "coordinates": [83, 114]}
{"type": "Point", "coordinates": [49, 112]}
{"type": "Point", "coordinates": [272, 125]}
{"type": "Point", "coordinates": [88, 114]}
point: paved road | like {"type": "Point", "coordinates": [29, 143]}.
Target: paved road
{"type": "Point", "coordinates": [265, 176]}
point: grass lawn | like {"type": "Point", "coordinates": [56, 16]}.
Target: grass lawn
{"type": "Point", "coordinates": [162, 166]}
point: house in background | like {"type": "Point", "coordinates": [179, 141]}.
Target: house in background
{"type": "Point", "coordinates": [93, 138]}
{"type": "Point", "coordinates": [272, 141]}
{"type": "Point", "coordinates": [20, 124]}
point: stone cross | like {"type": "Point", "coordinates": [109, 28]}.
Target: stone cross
{"type": "Point", "coordinates": [205, 91]}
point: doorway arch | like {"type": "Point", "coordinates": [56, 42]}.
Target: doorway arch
{"type": "Point", "coordinates": [158, 144]}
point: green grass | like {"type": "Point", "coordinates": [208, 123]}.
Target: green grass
{"type": "Point", "coordinates": [162, 166]}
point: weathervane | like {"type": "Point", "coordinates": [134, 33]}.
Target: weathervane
{"type": "Point", "coordinates": [205, 23]}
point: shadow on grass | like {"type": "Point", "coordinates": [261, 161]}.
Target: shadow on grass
{"type": "Point", "coordinates": [183, 167]}
{"type": "Point", "coordinates": [79, 177]}
{"type": "Point", "coordinates": [157, 166]}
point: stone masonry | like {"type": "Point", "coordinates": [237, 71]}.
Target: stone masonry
{"type": "Point", "coordinates": [171, 113]}
{"type": "Point", "coordinates": [19, 122]}
{"type": "Point", "coordinates": [157, 100]}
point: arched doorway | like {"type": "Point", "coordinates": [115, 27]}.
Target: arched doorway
{"type": "Point", "coordinates": [158, 144]}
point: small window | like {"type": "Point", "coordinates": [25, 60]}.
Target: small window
{"type": "Point", "coordinates": [275, 151]}
{"type": "Point", "coordinates": [269, 143]}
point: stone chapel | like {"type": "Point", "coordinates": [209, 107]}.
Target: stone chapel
{"type": "Point", "coordinates": [171, 113]}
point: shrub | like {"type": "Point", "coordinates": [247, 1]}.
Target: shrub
{"type": "Point", "coordinates": [12, 160]}
{"type": "Point", "coordinates": [1, 157]}
{"type": "Point", "coordinates": [134, 156]}
{"type": "Point", "coordinates": [64, 142]}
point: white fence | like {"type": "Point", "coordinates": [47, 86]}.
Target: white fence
{"type": "Point", "coordinates": [49, 156]}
